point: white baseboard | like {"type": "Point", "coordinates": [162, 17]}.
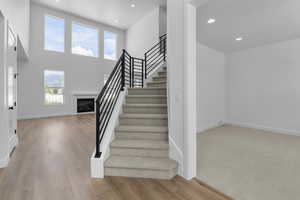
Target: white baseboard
{"type": "Point", "coordinates": [4, 161]}
{"type": "Point", "coordinates": [211, 127]}
{"type": "Point", "coordinates": [44, 116]}
{"type": "Point", "coordinates": [176, 154]}
{"type": "Point", "coordinates": [97, 164]}
{"type": "Point", "coordinates": [265, 128]}
{"type": "Point", "coordinates": [12, 143]}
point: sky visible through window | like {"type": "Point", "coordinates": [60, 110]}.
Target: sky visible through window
{"type": "Point", "coordinates": [84, 40]}
{"type": "Point", "coordinates": [54, 34]}
{"type": "Point", "coordinates": [110, 46]}
{"type": "Point", "coordinates": [54, 78]}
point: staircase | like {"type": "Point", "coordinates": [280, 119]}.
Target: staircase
{"type": "Point", "coordinates": [141, 147]}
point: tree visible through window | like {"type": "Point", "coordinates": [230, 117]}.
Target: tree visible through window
{"type": "Point", "coordinates": [54, 34]}
{"type": "Point", "coordinates": [110, 46]}
{"type": "Point", "coordinates": [54, 83]}
{"type": "Point", "coordinates": [84, 40]}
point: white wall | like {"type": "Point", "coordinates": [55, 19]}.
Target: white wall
{"type": "Point", "coordinates": [17, 12]}
{"type": "Point", "coordinates": [141, 36]}
{"type": "Point", "coordinates": [81, 73]}
{"type": "Point", "coordinates": [162, 20]}
{"type": "Point", "coordinates": [4, 136]}
{"type": "Point", "coordinates": [210, 88]}
{"type": "Point", "coordinates": [264, 87]}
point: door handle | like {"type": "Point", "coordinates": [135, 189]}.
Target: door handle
{"type": "Point", "coordinates": [10, 108]}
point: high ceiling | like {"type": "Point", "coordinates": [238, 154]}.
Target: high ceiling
{"type": "Point", "coordinates": [258, 22]}
{"type": "Point", "coordinates": [118, 13]}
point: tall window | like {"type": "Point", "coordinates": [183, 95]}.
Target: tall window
{"type": "Point", "coordinates": [110, 46]}
{"type": "Point", "coordinates": [54, 34]}
{"type": "Point", "coordinates": [10, 85]}
{"type": "Point", "coordinates": [84, 40]}
{"type": "Point", "coordinates": [54, 83]}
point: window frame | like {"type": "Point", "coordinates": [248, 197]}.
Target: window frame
{"type": "Point", "coordinates": [86, 26]}
{"type": "Point", "coordinates": [116, 46]}
{"type": "Point", "coordinates": [44, 88]}
{"type": "Point", "coordinates": [64, 22]}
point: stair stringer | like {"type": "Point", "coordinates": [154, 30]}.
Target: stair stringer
{"type": "Point", "coordinates": [155, 72]}
{"type": "Point", "coordinates": [97, 164]}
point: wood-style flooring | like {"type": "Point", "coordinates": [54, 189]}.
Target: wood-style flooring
{"type": "Point", "coordinates": [52, 163]}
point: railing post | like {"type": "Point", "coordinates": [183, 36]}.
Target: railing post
{"type": "Point", "coordinates": [145, 66]}
{"type": "Point", "coordinates": [164, 49]}
{"type": "Point", "coordinates": [130, 71]}
{"type": "Point", "coordinates": [98, 153]}
{"type": "Point", "coordinates": [143, 73]}
{"type": "Point", "coordinates": [133, 82]}
{"type": "Point", "coordinates": [123, 71]}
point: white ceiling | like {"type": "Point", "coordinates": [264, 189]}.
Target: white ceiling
{"type": "Point", "coordinates": [259, 22]}
{"type": "Point", "coordinates": [106, 11]}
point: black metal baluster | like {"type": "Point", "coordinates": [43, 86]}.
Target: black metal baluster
{"type": "Point", "coordinates": [130, 72]}
{"type": "Point", "coordinates": [133, 85]}
{"type": "Point", "coordinates": [145, 65]}
{"type": "Point", "coordinates": [123, 71]}
{"type": "Point", "coordinates": [143, 73]}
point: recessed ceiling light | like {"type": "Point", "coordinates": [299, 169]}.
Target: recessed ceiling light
{"type": "Point", "coordinates": [132, 5]}
{"type": "Point", "coordinates": [116, 21]}
{"type": "Point", "coordinates": [211, 21]}
{"type": "Point", "coordinates": [239, 39]}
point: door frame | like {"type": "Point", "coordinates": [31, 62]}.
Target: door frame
{"type": "Point", "coordinates": [11, 114]}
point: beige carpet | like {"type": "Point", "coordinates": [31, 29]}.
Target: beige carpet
{"type": "Point", "coordinates": [249, 164]}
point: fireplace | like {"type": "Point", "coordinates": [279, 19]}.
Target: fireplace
{"type": "Point", "coordinates": [86, 105]}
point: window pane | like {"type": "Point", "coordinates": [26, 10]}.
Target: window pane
{"type": "Point", "coordinates": [10, 86]}
{"type": "Point", "coordinates": [54, 83]}
{"type": "Point", "coordinates": [84, 41]}
{"type": "Point", "coordinates": [110, 46]}
{"type": "Point", "coordinates": [54, 34]}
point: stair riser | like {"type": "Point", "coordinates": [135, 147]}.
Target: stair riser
{"type": "Point", "coordinates": [147, 92]}
{"type": "Point", "coordinates": [145, 110]}
{"type": "Point", "coordinates": [141, 136]}
{"type": "Point", "coordinates": [143, 122]}
{"type": "Point", "coordinates": [163, 80]}
{"type": "Point", "coordinates": [162, 73]}
{"type": "Point", "coordinates": [139, 173]}
{"type": "Point", "coordinates": [159, 78]}
{"type": "Point", "coordinates": [159, 85]}
{"type": "Point", "coordinates": [146, 100]}
{"type": "Point", "coordinates": [140, 152]}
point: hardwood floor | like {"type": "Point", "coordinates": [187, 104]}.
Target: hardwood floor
{"type": "Point", "coordinates": [52, 162]}
{"type": "Point", "coordinates": [1, 170]}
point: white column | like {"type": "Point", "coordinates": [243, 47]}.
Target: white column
{"type": "Point", "coordinates": [182, 85]}
{"type": "Point", "coordinates": [190, 92]}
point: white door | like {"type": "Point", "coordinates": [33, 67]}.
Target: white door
{"type": "Point", "coordinates": [12, 80]}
